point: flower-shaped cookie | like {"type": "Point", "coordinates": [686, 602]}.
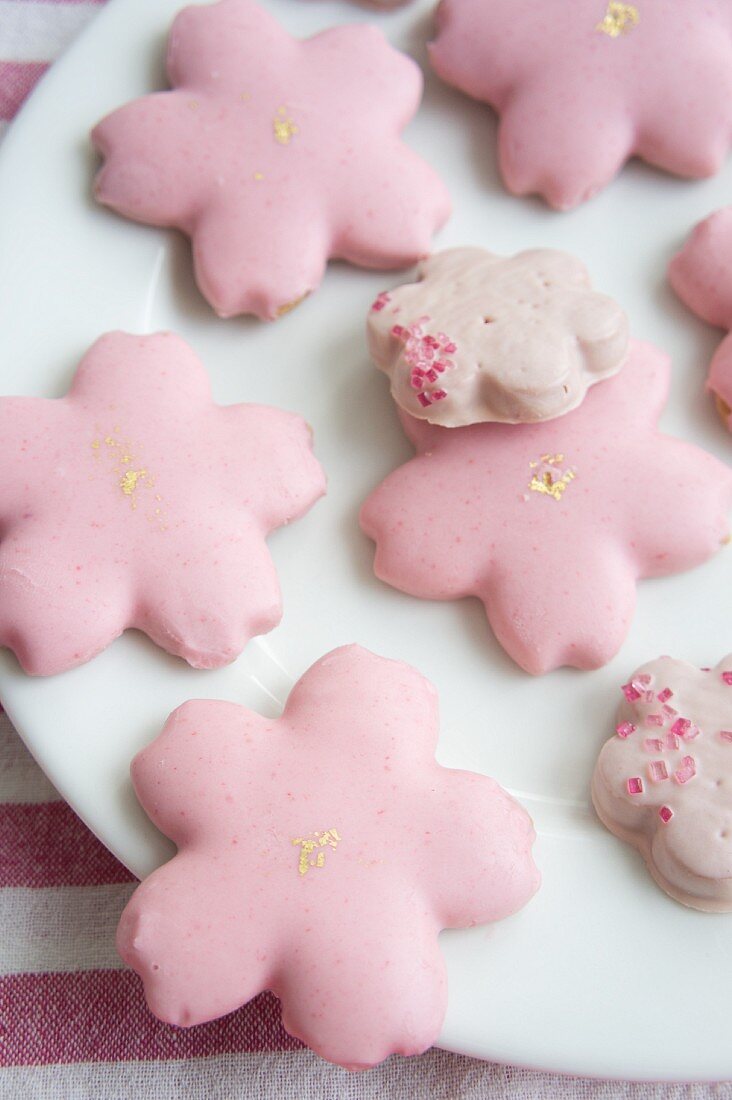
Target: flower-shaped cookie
{"type": "Point", "coordinates": [319, 855]}
{"type": "Point", "coordinates": [664, 781]}
{"type": "Point", "coordinates": [134, 501]}
{"type": "Point", "coordinates": [582, 85]}
{"type": "Point", "coordinates": [701, 275]}
{"type": "Point", "coordinates": [273, 155]}
{"type": "Point", "coordinates": [550, 525]}
{"type": "Point", "coordinates": [483, 338]}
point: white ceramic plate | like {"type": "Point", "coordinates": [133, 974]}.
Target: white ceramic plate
{"type": "Point", "coordinates": [601, 974]}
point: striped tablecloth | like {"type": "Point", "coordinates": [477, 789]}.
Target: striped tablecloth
{"type": "Point", "coordinates": [73, 1022]}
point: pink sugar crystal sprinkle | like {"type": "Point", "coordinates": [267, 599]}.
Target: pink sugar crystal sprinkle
{"type": "Point", "coordinates": [687, 770]}
{"type": "Point", "coordinates": [665, 695]}
{"type": "Point", "coordinates": [421, 352]}
{"type": "Point", "coordinates": [672, 741]}
{"type": "Point", "coordinates": [624, 729]}
{"type": "Point", "coordinates": [635, 785]}
{"type": "Point", "coordinates": [631, 693]}
{"type": "Point", "coordinates": [726, 735]}
{"type": "Point", "coordinates": [381, 301]}
{"type": "Point", "coordinates": [657, 771]}
{"type": "Point", "coordinates": [653, 744]}
{"type": "Point", "coordinates": [665, 813]}
{"type": "Point", "coordinates": [654, 719]}
{"type": "Point", "coordinates": [669, 711]}
{"type": "Point", "coordinates": [727, 677]}
{"type": "Point", "coordinates": [685, 728]}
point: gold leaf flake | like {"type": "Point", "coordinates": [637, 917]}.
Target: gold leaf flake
{"type": "Point", "coordinates": [549, 478]}
{"type": "Point", "coordinates": [308, 848]}
{"type": "Point", "coordinates": [284, 128]}
{"type": "Point", "coordinates": [619, 19]}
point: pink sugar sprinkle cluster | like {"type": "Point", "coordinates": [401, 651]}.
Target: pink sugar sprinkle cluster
{"type": "Point", "coordinates": [638, 689]}
{"type": "Point", "coordinates": [684, 729]}
{"type": "Point", "coordinates": [427, 355]}
{"type": "Point", "coordinates": [381, 302]}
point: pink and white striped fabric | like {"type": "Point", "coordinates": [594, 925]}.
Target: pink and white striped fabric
{"type": "Point", "coordinates": [73, 1022]}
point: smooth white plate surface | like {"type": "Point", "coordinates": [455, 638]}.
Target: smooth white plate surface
{"type": "Point", "coordinates": [601, 974]}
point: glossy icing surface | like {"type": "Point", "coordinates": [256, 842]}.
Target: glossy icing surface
{"type": "Point", "coordinates": [274, 154]}
{"type": "Point", "coordinates": [551, 525]}
{"type": "Point", "coordinates": [701, 275]}
{"type": "Point", "coordinates": [319, 855]}
{"type": "Point", "coordinates": [135, 501]}
{"type": "Point", "coordinates": [582, 85]}
{"type": "Point", "coordinates": [664, 781]}
{"type": "Point", "coordinates": [484, 338]}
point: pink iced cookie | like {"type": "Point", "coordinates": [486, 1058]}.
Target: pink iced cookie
{"type": "Point", "coordinates": [319, 855]}
{"type": "Point", "coordinates": [664, 781]}
{"type": "Point", "coordinates": [701, 275]}
{"type": "Point", "coordinates": [134, 501]}
{"type": "Point", "coordinates": [582, 85]}
{"type": "Point", "coordinates": [484, 338]}
{"type": "Point", "coordinates": [550, 525]}
{"type": "Point", "coordinates": [274, 154]}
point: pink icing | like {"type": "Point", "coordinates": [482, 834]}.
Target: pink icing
{"type": "Point", "coordinates": [683, 823]}
{"type": "Point", "coordinates": [553, 548]}
{"type": "Point", "coordinates": [582, 85]}
{"type": "Point", "coordinates": [487, 338]}
{"type": "Point", "coordinates": [319, 855]}
{"type": "Point", "coordinates": [274, 154]}
{"type": "Point", "coordinates": [701, 275]}
{"type": "Point", "coordinates": [135, 501]}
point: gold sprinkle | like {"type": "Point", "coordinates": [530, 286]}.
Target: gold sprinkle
{"type": "Point", "coordinates": [284, 128]}
{"type": "Point", "coordinates": [259, 175]}
{"type": "Point", "coordinates": [244, 97]}
{"type": "Point", "coordinates": [121, 455]}
{"type": "Point", "coordinates": [193, 104]}
{"type": "Point", "coordinates": [550, 479]}
{"type": "Point", "coordinates": [619, 19]}
{"type": "Point", "coordinates": [328, 838]}
{"type": "Point", "coordinates": [128, 481]}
